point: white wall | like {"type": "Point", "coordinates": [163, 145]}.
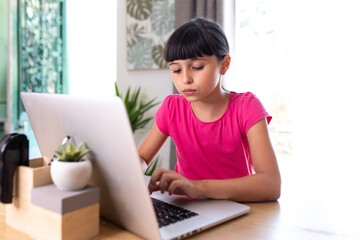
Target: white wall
{"type": "Point", "coordinates": [97, 58]}
{"type": "Point", "coordinates": [92, 45]}
{"type": "Point", "coordinates": [154, 83]}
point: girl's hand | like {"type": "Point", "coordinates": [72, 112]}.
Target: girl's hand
{"type": "Point", "coordinates": [172, 182]}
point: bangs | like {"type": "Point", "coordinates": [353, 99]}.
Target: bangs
{"type": "Point", "coordinates": [191, 43]}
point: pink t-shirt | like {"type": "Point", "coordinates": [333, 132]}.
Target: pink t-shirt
{"type": "Point", "coordinates": [211, 150]}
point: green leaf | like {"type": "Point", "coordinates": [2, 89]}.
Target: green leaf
{"type": "Point", "coordinates": [142, 123]}
{"type": "Point", "coordinates": [68, 157]}
{"type": "Point", "coordinates": [117, 91]}
{"type": "Point", "coordinates": [136, 95]}
{"type": "Point", "coordinates": [135, 115]}
{"type": "Point", "coordinates": [153, 165]}
{"type": "Point", "coordinates": [79, 147]}
{"type": "Point", "coordinates": [149, 105]}
{"type": "Point", "coordinates": [133, 102]}
{"type": "Point", "coordinates": [71, 153]}
{"type": "Point", "coordinates": [83, 154]}
{"type": "Point", "coordinates": [58, 154]}
{"type": "Point", "coordinates": [136, 109]}
{"type": "Point", "coordinates": [70, 148]}
{"type": "Point", "coordinates": [126, 100]}
{"type": "Point", "coordinates": [76, 156]}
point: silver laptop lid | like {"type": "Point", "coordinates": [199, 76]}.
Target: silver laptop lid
{"type": "Point", "coordinates": [101, 123]}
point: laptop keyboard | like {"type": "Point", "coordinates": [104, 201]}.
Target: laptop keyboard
{"type": "Point", "coordinates": [167, 213]}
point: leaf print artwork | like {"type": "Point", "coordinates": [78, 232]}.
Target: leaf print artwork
{"type": "Point", "coordinates": [158, 56]}
{"type": "Point", "coordinates": [135, 33]}
{"type": "Point", "coordinates": [162, 17]}
{"type": "Point", "coordinates": [149, 23]}
{"type": "Point", "coordinates": [139, 54]}
{"type": "Point", "coordinates": [139, 9]}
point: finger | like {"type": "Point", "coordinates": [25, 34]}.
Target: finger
{"type": "Point", "coordinates": [175, 187]}
{"type": "Point", "coordinates": [155, 178]}
{"type": "Point", "coordinates": [155, 183]}
{"type": "Point", "coordinates": [157, 175]}
{"type": "Point", "coordinates": [166, 179]}
{"type": "Point", "coordinates": [161, 179]}
{"type": "Point", "coordinates": [153, 188]}
{"type": "Point", "coordinates": [164, 182]}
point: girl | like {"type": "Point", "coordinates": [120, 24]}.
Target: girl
{"type": "Point", "coordinates": [222, 140]}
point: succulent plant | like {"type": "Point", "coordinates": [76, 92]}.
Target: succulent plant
{"type": "Point", "coordinates": [71, 153]}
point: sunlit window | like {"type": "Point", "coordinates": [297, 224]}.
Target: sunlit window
{"type": "Point", "coordinates": [259, 66]}
{"type": "Point", "coordinates": [302, 58]}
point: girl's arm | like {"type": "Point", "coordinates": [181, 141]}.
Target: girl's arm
{"type": "Point", "coordinates": [265, 185]}
{"type": "Point", "coordinates": [262, 186]}
{"type": "Point", "coordinates": [151, 145]}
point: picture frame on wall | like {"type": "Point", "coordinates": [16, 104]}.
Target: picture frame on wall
{"type": "Point", "coordinates": [149, 23]}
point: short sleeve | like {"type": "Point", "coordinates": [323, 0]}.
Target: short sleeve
{"type": "Point", "coordinates": [162, 116]}
{"type": "Point", "coordinates": [253, 111]}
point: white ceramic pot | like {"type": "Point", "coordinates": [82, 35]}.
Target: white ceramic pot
{"type": "Point", "coordinates": [70, 176]}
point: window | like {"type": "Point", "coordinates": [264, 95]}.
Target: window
{"type": "Point", "coordinates": [259, 65]}
{"type": "Point", "coordinates": [41, 53]}
{"type": "Point", "coordinates": [38, 57]}
{"type": "Point", "coordinates": [302, 59]}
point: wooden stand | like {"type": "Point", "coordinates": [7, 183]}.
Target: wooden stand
{"type": "Point", "coordinates": [38, 215]}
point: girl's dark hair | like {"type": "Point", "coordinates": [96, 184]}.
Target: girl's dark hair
{"type": "Point", "coordinates": [196, 38]}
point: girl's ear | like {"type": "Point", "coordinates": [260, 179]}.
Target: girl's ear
{"type": "Point", "coordinates": [225, 64]}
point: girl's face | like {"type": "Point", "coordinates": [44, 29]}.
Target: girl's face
{"type": "Point", "coordinates": [197, 78]}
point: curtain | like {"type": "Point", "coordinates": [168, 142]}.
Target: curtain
{"type": "Point", "coordinates": [188, 9]}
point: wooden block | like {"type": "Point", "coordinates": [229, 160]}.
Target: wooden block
{"type": "Point", "coordinates": [20, 214]}
{"type": "Point", "coordinates": [39, 162]}
{"type": "Point", "coordinates": [76, 225]}
{"type": "Point", "coordinates": [26, 178]}
{"type": "Point", "coordinates": [81, 224]}
{"type": "Point", "coordinates": [78, 221]}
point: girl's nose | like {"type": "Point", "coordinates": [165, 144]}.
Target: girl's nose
{"type": "Point", "coordinates": [187, 78]}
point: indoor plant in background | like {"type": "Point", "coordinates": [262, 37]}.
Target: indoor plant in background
{"type": "Point", "coordinates": [70, 171]}
{"type": "Point", "coordinates": [136, 110]}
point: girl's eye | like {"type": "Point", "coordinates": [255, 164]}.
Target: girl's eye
{"type": "Point", "coordinates": [176, 70]}
{"type": "Point", "coordinates": [198, 68]}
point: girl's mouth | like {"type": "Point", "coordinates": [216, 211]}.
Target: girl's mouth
{"type": "Point", "coordinates": [189, 92]}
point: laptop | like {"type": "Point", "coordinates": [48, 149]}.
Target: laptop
{"type": "Point", "coordinates": [103, 124]}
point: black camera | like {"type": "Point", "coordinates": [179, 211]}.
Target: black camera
{"type": "Point", "coordinates": [14, 151]}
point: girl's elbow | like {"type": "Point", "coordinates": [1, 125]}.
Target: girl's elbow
{"type": "Point", "coordinates": [276, 194]}
{"type": "Point", "coordinates": [276, 191]}
{"type": "Point", "coordinates": [273, 190]}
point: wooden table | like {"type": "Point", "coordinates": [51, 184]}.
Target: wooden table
{"type": "Point", "coordinates": [272, 220]}
{"type": "Point", "coordinates": [314, 204]}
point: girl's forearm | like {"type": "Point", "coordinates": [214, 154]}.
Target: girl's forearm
{"type": "Point", "coordinates": [253, 188]}
{"type": "Point", "coordinates": [143, 164]}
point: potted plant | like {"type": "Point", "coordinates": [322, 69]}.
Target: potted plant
{"type": "Point", "coordinates": [136, 108]}
{"type": "Point", "coordinates": [70, 171]}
